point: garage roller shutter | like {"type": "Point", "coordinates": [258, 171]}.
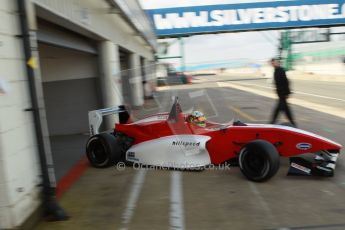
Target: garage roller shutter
{"type": "Point", "coordinates": [54, 35]}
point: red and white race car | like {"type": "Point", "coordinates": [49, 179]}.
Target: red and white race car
{"type": "Point", "coordinates": [170, 140]}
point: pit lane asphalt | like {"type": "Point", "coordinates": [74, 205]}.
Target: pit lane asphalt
{"type": "Point", "coordinates": [213, 199]}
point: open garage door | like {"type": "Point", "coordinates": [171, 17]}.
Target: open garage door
{"type": "Point", "coordinates": [70, 87]}
{"type": "Point", "coordinates": [69, 66]}
{"type": "Point", "coordinates": [69, 69]}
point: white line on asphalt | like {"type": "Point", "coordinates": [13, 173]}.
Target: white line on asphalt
{"type": "Point", "coordinates": [263, 203]}
{"type": "Point", "coordinates": [297, 92]}
{"type": "Point", "coordinates": [176, 202]}
{"type": "Point", "coordinates": [339, 112]}
{"type": "Point", "coordinates": [320, 96]}
{"type": "Point", "coordinates": [137, 184]}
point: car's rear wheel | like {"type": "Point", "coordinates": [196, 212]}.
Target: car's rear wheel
{"type": "Point", "coordinates": [259, 160]}
{"type": "Point", "coordinates": [103, 150]}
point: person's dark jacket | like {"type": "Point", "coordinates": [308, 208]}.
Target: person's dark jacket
{"type": "Point", "coordinates": [281, 81]}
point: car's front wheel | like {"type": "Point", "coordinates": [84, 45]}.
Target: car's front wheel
{"type": "Point", "coordinates": [259, 160]}
{"type": "Point", "coordinates": [103, 150]}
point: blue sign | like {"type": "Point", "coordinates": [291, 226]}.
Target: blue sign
{"type": "Point", "coordinates": [172, 22]}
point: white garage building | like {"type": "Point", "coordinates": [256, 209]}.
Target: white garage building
{"type": "Point", "coordinates": [78, 48]}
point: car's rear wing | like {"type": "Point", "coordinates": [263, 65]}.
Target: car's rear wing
{"type": "Point", "coordinates": [96, 117]}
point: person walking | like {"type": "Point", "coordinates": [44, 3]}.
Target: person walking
{"type": "Point", "coordinates": [283, 92]}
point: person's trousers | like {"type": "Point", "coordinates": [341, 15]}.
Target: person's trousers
{"type": "Point", "coordinates": [283, 106]}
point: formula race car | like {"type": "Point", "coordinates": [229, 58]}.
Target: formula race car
{"type": "Point", "coordinates": [171, 140]}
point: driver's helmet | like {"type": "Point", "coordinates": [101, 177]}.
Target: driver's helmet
{"type": "Point", "coordinates": [197, 118]}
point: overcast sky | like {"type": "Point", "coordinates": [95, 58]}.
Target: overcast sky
{"type": "Point", "coordinates": [219, 47]}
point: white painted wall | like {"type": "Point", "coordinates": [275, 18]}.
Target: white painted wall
{"type": "Point", "coordinates": [19, 168]}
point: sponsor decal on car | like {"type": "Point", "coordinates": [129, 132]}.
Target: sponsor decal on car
{"type": "Point", "coordinates": [131, 156]}
{"type": "Point", "coordinates": [186, 143]}
{"type": "Point", "coordinates": [190, 147]}
{"type": "Point", "coordinates": [300, 167]}
{"type": "Point", "coordinates": [303, 146]}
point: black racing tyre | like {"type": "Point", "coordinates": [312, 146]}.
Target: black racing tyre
{"type": "Point", "coordinates": [103, 150]}
{"type": "Point", "coordinates": [259, 160]}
